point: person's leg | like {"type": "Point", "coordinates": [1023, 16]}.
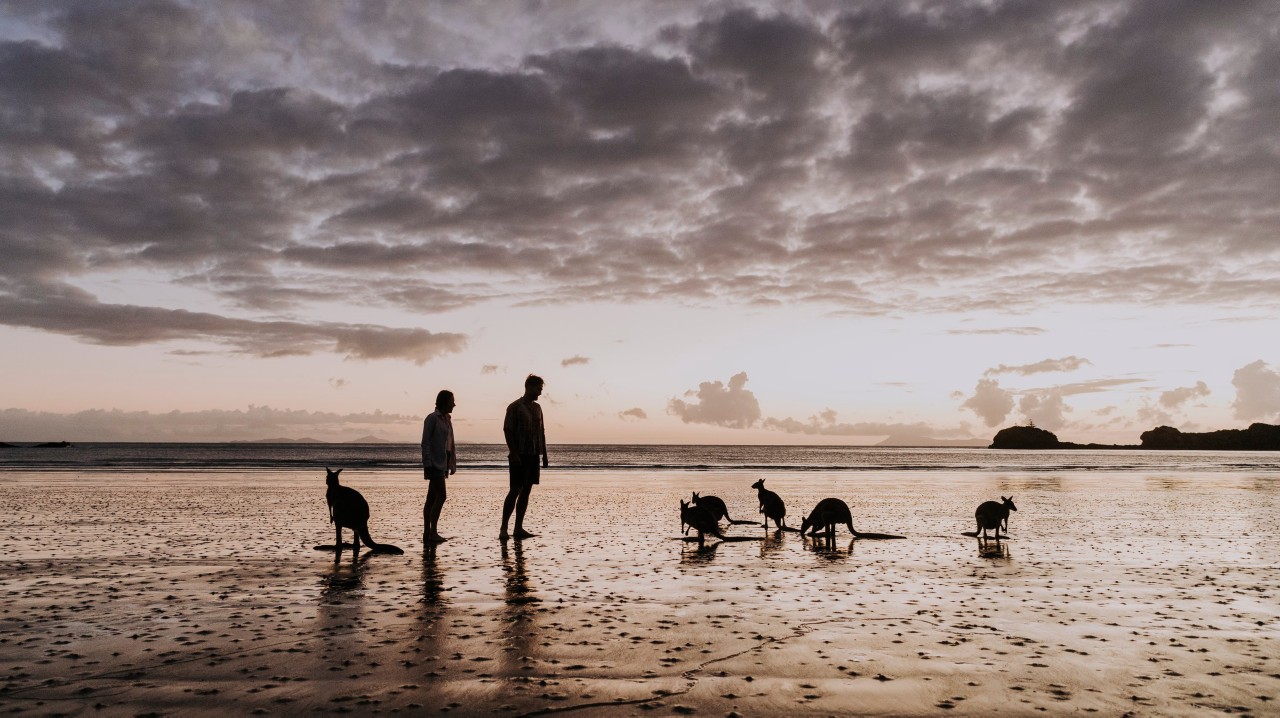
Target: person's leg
{"type": "Point", "coordinates": [509, 503]}
{"type": "Point", "coordinates": [522, 503]}
{"type": "Point", "coordinates": [436, 496]}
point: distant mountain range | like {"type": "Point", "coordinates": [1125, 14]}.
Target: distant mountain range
{"type": "Point", "coordinates": [370, 439]}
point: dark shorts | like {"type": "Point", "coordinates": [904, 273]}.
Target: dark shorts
{"type": "Point", "coordinates": [431, 474]}
{"type": "Point", "coordinates": [526, 473]}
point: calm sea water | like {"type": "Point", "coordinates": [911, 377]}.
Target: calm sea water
{"type": "Point", "coordinates": [109, 457]}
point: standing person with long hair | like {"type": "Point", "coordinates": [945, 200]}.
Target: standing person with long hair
{"type": "Point", "coordinates": [439, 459]}
{"type": "Point", "coordinates": [526, 443]}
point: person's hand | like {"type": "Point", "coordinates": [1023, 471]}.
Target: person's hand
{"type": "Point", "coordinates": [544, 461]}
{"type": "Point", "coordinates": [453, 471]}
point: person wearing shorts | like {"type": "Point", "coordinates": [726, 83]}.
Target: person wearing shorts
{"type": "Point", "coordinates": [439, 459]}
{"type": "Point", "coordinates": [526, 444]}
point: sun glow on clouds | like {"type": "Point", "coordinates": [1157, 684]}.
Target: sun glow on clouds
{"type": "Point", "coordinates": [900, 213]}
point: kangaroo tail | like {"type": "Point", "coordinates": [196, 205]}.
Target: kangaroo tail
{"type": "Point", "coordinates": [374, 545]}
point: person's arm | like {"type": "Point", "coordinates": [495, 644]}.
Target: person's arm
{"type": "Point", "coordinates": [452, 451]}
{"type": "Point", "coordinates": [509, 430]}
{"type": "Point", "coordinates": [428, 428]}
{"type": "Point", "coordinates": [542, 438]}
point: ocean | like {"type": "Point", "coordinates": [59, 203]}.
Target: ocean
{"type": "Point", "coordinates": [159, 457]}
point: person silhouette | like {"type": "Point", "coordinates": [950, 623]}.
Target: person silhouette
{"type": "Point", "coordinates": [439, 459]}
{"type": "Point", "coordinates": [526, 442]}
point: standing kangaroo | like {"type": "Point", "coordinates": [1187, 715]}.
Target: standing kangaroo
{"type": "Point", "coordinates": [348, 509]}
{"type": "Point", "coordinates": [700, 519]}
{"type": "Point", "coordinates": [771, 506]}
{"type": "Point", "coordinates": [826, 515]}
{"type": "Point", "coordinates": [995, 516]}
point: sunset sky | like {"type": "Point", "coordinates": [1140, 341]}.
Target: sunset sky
{"type": "Point", "coordinates": [791, 222]}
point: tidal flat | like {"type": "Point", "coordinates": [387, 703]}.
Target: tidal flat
{"type": "Point", "coordinates": [200, 593]}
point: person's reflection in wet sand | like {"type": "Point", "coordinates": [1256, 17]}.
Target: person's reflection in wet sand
{"type": "Point", "coordinates": [430, 647]}
{"type": "Point", "coordinates": [521, 633]}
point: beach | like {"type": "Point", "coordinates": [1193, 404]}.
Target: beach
{"type": "Point", "coordinates": [200, 593]}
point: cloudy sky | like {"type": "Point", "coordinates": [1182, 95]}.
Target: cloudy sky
{"type": "Point", "coordinates": [790, 222]}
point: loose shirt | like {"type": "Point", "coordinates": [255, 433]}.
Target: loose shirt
{"type": "Point", "coordinates": [437, 443]}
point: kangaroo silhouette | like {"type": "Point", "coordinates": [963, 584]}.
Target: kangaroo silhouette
{"type": "Point", "coordinates": [700, 519]}
{"type": "Point", "coordinates": [992, 515]}
{"type": "Point", "coordinates": [349, 510]}
{"type": "Point", "coordinates": [771, 506]}
{"type": "Point", "coordinates": [826, 515]}
{"type": "Point", "coordinates": [716, 506]}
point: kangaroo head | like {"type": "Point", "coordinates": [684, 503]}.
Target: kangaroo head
{"type": "Point", "coordinates": [804, 525]}
{"type": "Point", "coordinates": [1008, 503]}
{"type": "Point", "coordinates": [683, 504]}
{"type": "Point", "coordinates": [758, 485]}
{"type": "Point", "coordinates": [695, 497]}
{"type": "Point", "coordinates": [331, 477]}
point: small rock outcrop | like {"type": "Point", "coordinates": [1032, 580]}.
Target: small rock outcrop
{"type": "Point", "coordinates": [1024, 437]}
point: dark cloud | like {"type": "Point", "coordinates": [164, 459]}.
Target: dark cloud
{"type": "Point", "coordinates": [74, 313]}
{"type": "Point", "coordinates": [1175, 398]}
{"type": "Point", "coordinates": [574, 361]}
{"type": "Point", "coordinates": [875, 158]}
{"type": "Point", "coordinates": [255, 422]}
{"type": "Point", "coordinates": [633, 414]}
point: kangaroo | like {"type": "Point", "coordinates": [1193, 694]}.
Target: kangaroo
{"type": "Point", "coordinates": [348, 509]}
{"type": "Point", "coordinates": [716, 506]}
{"type": "Point", "coordinates": [992, 515]}
{"type": "Point", "coordinates": [771, 506]}
{"type": "Point", "coordinates": [826, 515]}
{"type": "Point", "coordinates": [700, 519]}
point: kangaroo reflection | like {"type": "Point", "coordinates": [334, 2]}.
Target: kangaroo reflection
{"type": "Point", "coordinates": [992, 549]}
{"type": "Point", "coordinates": [771, 543]}
{"type": "Point", "coordinates": [343, 577]}
{"type": "Point", "coordinates": [338, 611]}
{"type": "Point", "coordinates": [825, 545]}
{"type": "Point", "coordinates": [694, 554]}
{"type": "Point", "coordinates": [521, 633]}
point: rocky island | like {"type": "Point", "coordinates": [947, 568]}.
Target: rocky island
{"type": "Point", "coordinates": [1258, 437]}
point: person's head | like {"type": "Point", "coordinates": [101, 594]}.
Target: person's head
{"type": "Point", "coordinates": [444, 401]}
{"type": "Point", "coordinates": [533, 386]}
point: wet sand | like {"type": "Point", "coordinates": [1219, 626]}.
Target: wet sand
{"type": "Point", "coordinates": [185, 593]}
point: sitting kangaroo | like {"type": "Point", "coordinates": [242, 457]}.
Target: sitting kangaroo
{"type": "Point", "coordinates": [826, 515]}
{"type": "Point", "coordinates": [771, 506]}
{"type": "Point", "coordinates": [348, 509]}
{"type": "Point", "coordinates": [700, 519]}
{"type": "Point", "coordinates": [995, 516]}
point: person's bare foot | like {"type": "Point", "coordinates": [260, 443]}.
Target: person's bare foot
{"type": "Point", "coordinates": [522, 534]}
{"type": "Point", "coordinates": [503, 536]}
{"type": "Point", "coordinates": [437, 539]}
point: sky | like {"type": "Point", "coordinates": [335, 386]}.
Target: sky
{"type": "Point", "coordinates": [739, 223]}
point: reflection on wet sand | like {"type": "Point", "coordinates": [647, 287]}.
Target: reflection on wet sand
{"type": "Point", "coordinates": [993, 549]}
{"type": "Point", "coordinates": [824, 545]}
{"type": "Point", "coordinates": [521, 632]}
